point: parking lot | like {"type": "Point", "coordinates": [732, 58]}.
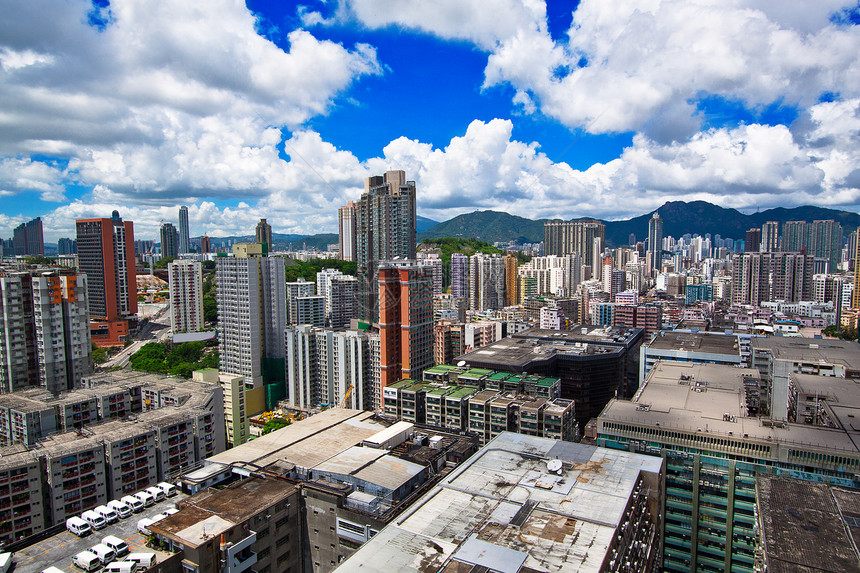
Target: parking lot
{"type": "Point", "coordinates": [59, 549]}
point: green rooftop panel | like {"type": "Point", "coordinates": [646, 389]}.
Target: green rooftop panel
{"type": "Point", "coordinates": [499, 376]}
{"type": "Point", "coordinates": [462, 392]}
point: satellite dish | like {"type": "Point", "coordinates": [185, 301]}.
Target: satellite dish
{"type": "Point", "coordinates": [461, 363]}
{"type": "Point", "coordinates": [554, 466]}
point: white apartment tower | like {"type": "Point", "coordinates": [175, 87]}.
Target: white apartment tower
{"type": "Point", "coordinates": [486, 282]}
{"type": "Point", "coordinates": [252, 312]}
{"type": "Point", "coordinates": [44, 331]}
{"type": "Point", "coordinates": [299, 288]}
{"type": "Point", "coordinates": [186, 295]}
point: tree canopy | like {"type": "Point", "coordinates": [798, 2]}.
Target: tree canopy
{"type": "Point", "coordinates": [308, 269]}
{"type": "Point", "coordinates": [181, 360]}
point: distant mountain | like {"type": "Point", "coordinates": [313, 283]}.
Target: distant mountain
{"type": "Point", "coordinates": [423, 223]}
{"type": "Point", "coordinates": [679, 217]}
{"type": "Point", "coordinates": [490, 226]}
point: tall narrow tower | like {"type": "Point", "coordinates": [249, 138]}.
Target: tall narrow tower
{"type": "Point", "coordinates": [184, 236]}
{"type": "Point", "coordinates": [106, 256]}
{"type": "Point", "coordinates": [385, 230]}
{"type": "Point", "coordinates": [655, 241]}
{"type": "Point", "coordinates": [346, 231]}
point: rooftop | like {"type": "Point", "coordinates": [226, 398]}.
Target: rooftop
{"type": "Point", "coordinates": [709, 398]}
{"type": "Point", "coordinates": [821, 350]}
{"type": "Point", "coordinates": [306, 443]}
{"type": "Point", "coordinates": [805, 526]}
{"type": "Point", "coordinates": [696, 342]}
{"type": "Point", "coordinates": [503, 510]}
{"type": "Point", "coordinates": [214, 511]}
{"type": "Point", "coordinates": [371, 465]}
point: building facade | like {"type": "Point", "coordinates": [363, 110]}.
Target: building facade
{"type": "Point", "coordinates": [186, 295]}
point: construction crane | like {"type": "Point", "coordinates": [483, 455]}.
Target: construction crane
{"type": "Point", "coordinates": [346, 396]}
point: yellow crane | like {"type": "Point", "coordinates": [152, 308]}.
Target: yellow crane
{"type": "Point", "coordinates": [346, 396]}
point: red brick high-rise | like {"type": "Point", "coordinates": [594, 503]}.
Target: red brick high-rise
{"type": "Point", "coordinates": [106, 255]}
{"type": "Point", "coordinates": [405, 321]}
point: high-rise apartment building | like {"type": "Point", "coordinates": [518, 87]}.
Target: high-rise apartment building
{"type": "Point", "coordinates": [66, 246]}
{"type": "Point", "coordinates": [186, 295]}
{"type": "Point", "coordinates": [855, 295]}
{"type": "Point", "coordinates": [184, 234]}
{"type": "Point", "coordinates": [325, 367]}
{"type": "Point", "coordinates": [385, 230]}
{"type": "Point", "coordinates": [825, 242]}
{"type": "Point", "coordinates": [106, 256]}
{"type": "Point", "coordinates": [205, 244]}
{"type": "Point", "coordinates": [28, 239]}
{"type": "Point", "coordinates": [346, 220]}
{"type": "Point", "coordinates": [263, 234]}
{"type": "Point", "coordinates": [512, 294]}
{"type": "Point", "coordinates": [655, 241]}
{"type": "Point", "coordinates": [252, 314]}
{"type": "Point", "coordinates": [433, 261]}
{"type": "Point", "coordinates": [46, 330]}
{"type": "Point", "coordinates": [294, 290]}
{"type": "Point", "coordinates": [405, 321]}
{"type": "Point", "coordinates": [486, 282]}
{"type": "Point", "coordinates": [770, 237]}
{"type": "Point", "coordinates": [169, 241]}
{"type": "Point", "coordinates": [752, 240]}
{"type": "Point", "coordinates": [343, 299]}
{"type": "Point", "coordinates": [568, 237]}
{"type": "Point", "coordinates": [459, 275]}
{"type": "Point", "coordinates": [760, 277]}
{"type": "Point", "coordinates": [795, 236]}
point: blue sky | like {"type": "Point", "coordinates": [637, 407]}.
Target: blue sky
{"type": "Point", "coordinates": [280, 109]}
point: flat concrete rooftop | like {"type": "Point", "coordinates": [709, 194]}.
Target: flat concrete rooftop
{"type": "Point", "coordinates": [821, 350]}
{"type": "Point", "coordinates": [306, 443]}
{"type": "Point", "coordinates": [696, 342]}
{"type": "Point", "coordinates": [504, 509]}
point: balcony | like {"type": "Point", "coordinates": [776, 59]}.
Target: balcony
{"type": "Point", "coordinates": [239, 557]}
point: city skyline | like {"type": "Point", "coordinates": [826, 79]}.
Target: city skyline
{"type": "Point", "coordinates": [747, 106]}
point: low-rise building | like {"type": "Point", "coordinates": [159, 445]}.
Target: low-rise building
{"type": "Point", "coordinates": [525, 504]}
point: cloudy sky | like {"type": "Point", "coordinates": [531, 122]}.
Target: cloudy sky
{"type": "Point", "coordinates": [280, 109]}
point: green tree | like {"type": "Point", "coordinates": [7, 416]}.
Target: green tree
{"type": "Point", "coordinates": [308, 269]}
{"type": "Point", "coordinates": [275, 424]}
{"type": "Point", "coordinates": [99, 354]}
{"type": "Point", "coordinates": [39, 260]}
{"type": "Point", "coordinates": [163, 262]}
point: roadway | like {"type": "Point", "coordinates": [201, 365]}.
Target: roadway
{"type": "Point", "coordinates": [156, 330]}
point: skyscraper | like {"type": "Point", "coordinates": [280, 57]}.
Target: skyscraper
{"type": "Point", "coordinates": [459, 275]}
{"type": "Point", "coordinates": [295, 290]}
{"type": "Point", "coordinates": [795, 236]}
{"type": "Point", "coordinates": [169, 241]}
{"type": "Point", "coordinates": [385, 230]}
{"type": "Point", "coordinates": [264, 234]}
{"type": "Point", "coordinates": [405, 322]}
{"type": "Point", "coordinates": [568, 237]}
{"type": "Point", "coordinates": [762, 277]}
{"type": "Point", "coordinates": [770, 237]}
{"type": "Point", "coordinates": [252, 314]}
{"type": "Point", "coordinates": [186, 295]}
{"type": "Point", "coordinates": [28, 239]}
{"type": "Point", "coordinates": [752, 240]}
{"type": "Point", "coordinates": [66, 246]}
{"type": "Point", "coordinates": [825, 242]}
{"type": "Point", "coordinates": [512, 296]}
{"type": "Point", "coordinates": [205, 244]}
{"type": "Point", "coordinates": [184, 236]}
{"type": "Point", "coordinates": [655, 241]}
{"type": "Point", "coordinates": [106, 256]}
{"type": "Point", "coordinates": [486, 282]}
{"type": "Point", "coordinates": [346, 216]}
{"type": "Point", "coordinates": [45, 329]}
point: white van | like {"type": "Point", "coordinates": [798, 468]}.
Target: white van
{"type": "Point", "coordinates": [105, 553]}
{"type": "Point", "coordinates": [87, 560]}
{"type": "Point", "coordinates": [146, 560]}
{"type": "Point", "coordinates": [95, 520]}
{"type": "Point", "coordinates": [122, 567]}
{"type": "Point", "coordinates": [134, 503]}
{"type": "Point", "coordinates": [120, 547]}
{"type": "Point", "coordinates": [156, 492]}
{"type": "Point", "coordinates": [110, 515]}
{"type": "Point", "coordinates": [52, 569]}
{"type": "Point", "coordinates": [78, 526]}
{"type": "Point", "coordinates": [143, 524]}
{"type": "Point", "coordinates": [5, 561]}
{"type": "Point", "coordinates": [168, 488]}
{"type": "Point", "coordinates": [123, 509]}
{"type": "Point", "coordinates": [145, 498]}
